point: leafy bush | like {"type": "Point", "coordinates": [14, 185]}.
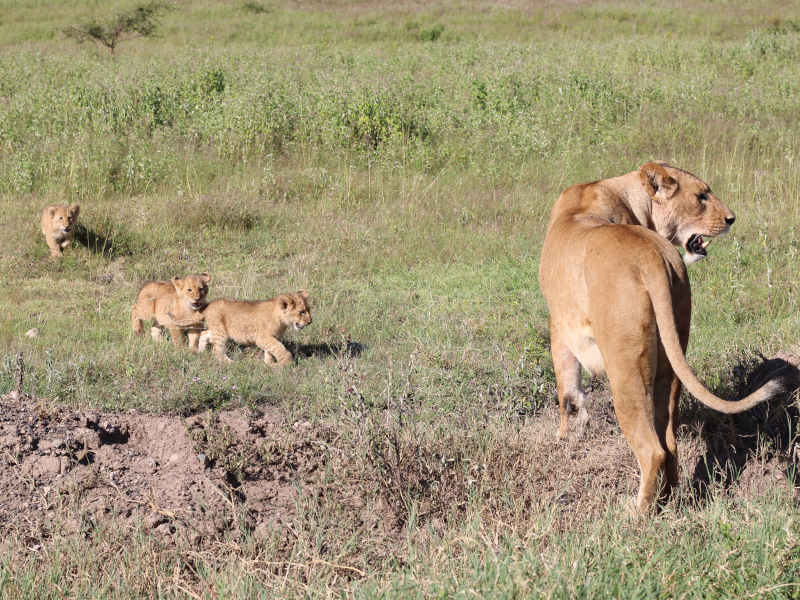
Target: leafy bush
{"type": "Point", "coordinates": [372, 119]}
{"type": "Point", "coordinates": [432, 34]}
{"type": "Point", "coordinates": [213, 82]}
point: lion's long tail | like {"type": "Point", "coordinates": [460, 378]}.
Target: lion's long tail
{"type": "Point", "coordinates": [659, 290]}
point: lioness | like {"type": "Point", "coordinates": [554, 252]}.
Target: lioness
{"type": "Point", "coordinates": [176, 304]}
{"type": "Point", "coordinates": [58, 226]}
{"type": "Point", "coordinates": [620, 303]}
{"type": "Point", "coordinates": [262, 323]}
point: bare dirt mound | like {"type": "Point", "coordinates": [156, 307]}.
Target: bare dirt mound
{"type": "Point", "coordinates": [189, 479]}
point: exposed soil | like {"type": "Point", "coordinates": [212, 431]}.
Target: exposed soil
{"type": "Point", "coordinates": [197, 479]}
{"type": "Point", "coordinates": [173, 476]}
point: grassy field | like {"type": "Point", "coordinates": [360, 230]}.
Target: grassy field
{"type": "Point", "coordinates": [399, 161]}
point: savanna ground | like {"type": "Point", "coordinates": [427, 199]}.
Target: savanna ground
{"type": "Point", "coordinates": [399, 161]}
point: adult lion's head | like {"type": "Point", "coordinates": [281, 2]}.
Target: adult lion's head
{"type": "Point", "coordinates": [685, 210]}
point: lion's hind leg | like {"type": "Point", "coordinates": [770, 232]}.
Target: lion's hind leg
{"type": "Point", "coordinates": [667, 393]}
{"type": "Point", "coordinates": [632, 376]}
{"type": "Point", "coordinates": [570, 391]}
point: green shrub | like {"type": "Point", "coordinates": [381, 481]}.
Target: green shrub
{"type": "Point", "coordinates": [431, 34]}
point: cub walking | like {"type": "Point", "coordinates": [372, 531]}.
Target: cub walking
{"type": "Point", "coordinates": [262, 323]}
{"type": "Point", "coordinates": [174, 304]}
{"type": "Point", "coordinates": [58, 226]}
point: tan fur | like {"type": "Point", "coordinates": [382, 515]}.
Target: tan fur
{"type": "Point", "coordinates": [620, 303]}
{"type": "Point", "coordinates": [58, 226]}
{"type": "Point", "coordinates": [262, 323]}
{"type": "Point", "coordinates": [176, 304]}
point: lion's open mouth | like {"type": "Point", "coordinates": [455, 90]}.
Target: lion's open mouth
{"type": "Point", "coordinates": [697, 245]}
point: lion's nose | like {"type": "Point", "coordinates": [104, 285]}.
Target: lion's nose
{"type": "Point", "coordinates": [730, 220]}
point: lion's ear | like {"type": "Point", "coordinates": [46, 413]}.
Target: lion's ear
{"type": "Point", "coordinates": [659, 184]}
{"type": "Point", "coordinates": [74, 210]}
{"type": "Point", "coordinates": [51, 210]}
{"type": "Point", "coordinates": [303, 294]}
{"type": "Point", "coordinates": [285, 301]}
{"type": "Point", "coordinates": [205, 277]}
{"type": "Point", "coordinates": [177, 283]}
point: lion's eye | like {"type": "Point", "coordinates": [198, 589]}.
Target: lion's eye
{"type": "Point", "coordinates": [702, 197]}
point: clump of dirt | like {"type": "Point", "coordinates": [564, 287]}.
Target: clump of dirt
{"type": "Point", "coordinates": [189, 480]}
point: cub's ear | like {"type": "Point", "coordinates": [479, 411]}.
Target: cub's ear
{"type": "Point", "coordinates": [285, 301]}
{"type": "Point", "coordinates": [303, 294]}
{"type": "Point", "coordinates": [205, 278]}
{"type": "Point", "coordinates": [659, 184]}
{"type": "Point", "coordinates": [177, 283]}
{"type": "Point", "coordinates": [51, 210]}
{"type": "Point", "coordinates": [74, 210]}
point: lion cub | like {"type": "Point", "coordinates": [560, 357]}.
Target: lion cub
{"type": "Point", "coordinates": [262, 323]}
{"type": "Point", "coordinates": [176, 304]}
{"type": "Point", "coordinates": [58, 226]}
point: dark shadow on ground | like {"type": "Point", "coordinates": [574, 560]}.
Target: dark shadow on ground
{"type": "Point", "coordinates": [93, 241]}
{"type": "Point", "coordinates": [112, 246]}
{"type": "Point", "coordinates": [770, 428]}
{"type": "Point", "coordinates": [348, 349]}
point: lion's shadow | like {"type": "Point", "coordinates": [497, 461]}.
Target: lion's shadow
{"type": "Point", "coordinates": [769, 429]}
{"type": "Point", "coordinates": [114, 245]}
{"type": "Point", "coordinates": [347, 349]}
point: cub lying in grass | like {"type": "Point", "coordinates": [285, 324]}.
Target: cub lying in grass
{"type": "Point", "coordinates": [58, 226]}
{"type": "Point", "coordinates": [262, 323]}
{"type": "Point", "coordinates": [176, 304]}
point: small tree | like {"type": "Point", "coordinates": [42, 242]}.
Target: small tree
{"type": "Point", "coordinates": [138, 22]}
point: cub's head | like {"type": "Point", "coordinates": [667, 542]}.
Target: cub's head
{"type": "Point", "coordinates": [62, 217]}
{"type": "Point", "coordinates": [685, 211]}
{"type": "Point", "coordinates": [294, 308]}
{"type": "Point", "coordinates": [193, 289]}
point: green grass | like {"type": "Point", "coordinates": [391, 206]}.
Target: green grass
{"type": "Point", "coordinates": [399, 163]}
